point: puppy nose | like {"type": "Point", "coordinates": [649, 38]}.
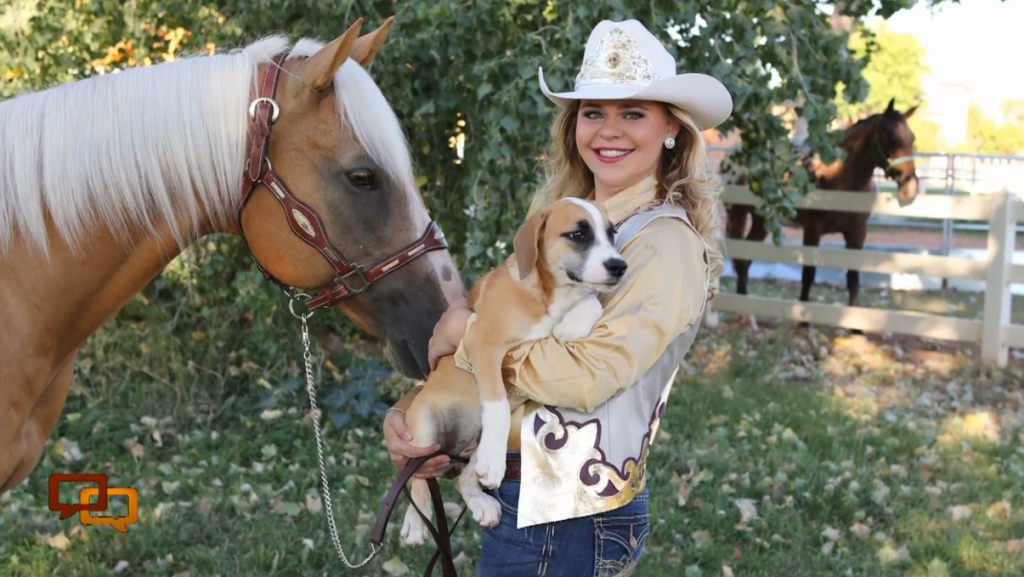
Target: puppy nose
{"type": "Point", "coordinates": [615, 267]}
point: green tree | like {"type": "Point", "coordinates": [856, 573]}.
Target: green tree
{"type": "Point", "coordinates": [894, 69]}
{"type": "Point", "coordinates": [50, 42]}
{"type": "Point", "coordinates": [1013, 111]}
{"type": "Point", "coordinates": [468, 70]}
{"type": "Point", "coordinates": [986, 136]}
{"type": "Point", "coordinates": [927, 134]}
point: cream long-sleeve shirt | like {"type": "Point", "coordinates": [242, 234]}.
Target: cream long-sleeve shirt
{"type": "Point", "coordinates": [659, 298]}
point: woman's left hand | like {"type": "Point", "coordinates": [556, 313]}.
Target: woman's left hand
{"type": "Point", "coordinates": [398, 439]}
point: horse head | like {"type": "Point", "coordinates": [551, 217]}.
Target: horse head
{"type": "Point", "coordinates": [892, 147]}
{"type": "Point", "coordinates": [334, 144]}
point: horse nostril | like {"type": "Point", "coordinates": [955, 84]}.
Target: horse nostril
{"type": "Point", "coordinates": [615, 267]}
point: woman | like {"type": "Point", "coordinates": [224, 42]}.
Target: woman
{"type": "Point", "coordinates": [574, 497]}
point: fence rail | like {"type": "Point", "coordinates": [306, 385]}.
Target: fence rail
{"type": "Point", "coordinates": [952, 174]}
{"type": "Point", "coordinates": [1001, 211]}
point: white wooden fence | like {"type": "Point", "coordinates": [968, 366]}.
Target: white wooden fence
{"type": "Point", "coordinates": [994, 332]}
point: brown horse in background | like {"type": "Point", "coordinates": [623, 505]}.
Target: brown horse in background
{"type": "Point", "coordinates": [104, 181]}
{"type": "Point", "coordinates": [879, 141]}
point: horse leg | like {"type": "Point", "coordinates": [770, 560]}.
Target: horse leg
{"type": "Point", "coordinates": [855, 238]}
{"type": "Point", "coordinates": [735, 226]}
{"type": "Point", "coordinates": [19, 457]}
{"type": "Point", "coordinates": [812, 237]}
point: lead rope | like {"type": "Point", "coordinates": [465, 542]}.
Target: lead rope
{"type": "Point", "coordinates": [311, 388]}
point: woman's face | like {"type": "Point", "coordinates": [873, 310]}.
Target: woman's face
{"type": "Point", "coordinates": [621, 141]}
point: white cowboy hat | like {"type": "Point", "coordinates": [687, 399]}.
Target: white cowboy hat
{"type": "Point", "coordinates": [623, 60]}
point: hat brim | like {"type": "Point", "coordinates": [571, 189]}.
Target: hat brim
{"type": "Point", "coordinates": [703, 97]}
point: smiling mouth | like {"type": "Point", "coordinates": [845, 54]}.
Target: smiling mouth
{"type": "Point", "coordinates": [612, 154]}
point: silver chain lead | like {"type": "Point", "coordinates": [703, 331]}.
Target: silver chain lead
{"type": "Point", "coordinates": [326, 491]}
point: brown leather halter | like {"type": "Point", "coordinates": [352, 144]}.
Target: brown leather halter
{"type": "Point", "coordinates": [305, 223]}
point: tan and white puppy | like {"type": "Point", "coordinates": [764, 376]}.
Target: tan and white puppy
{"type": "Point", "coordinates": [564, 258]}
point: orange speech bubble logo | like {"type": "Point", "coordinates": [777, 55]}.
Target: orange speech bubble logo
{"type": "Point", "coordinates": [119, 523]}
{"type": "Point", "coordinates": [67, 510]}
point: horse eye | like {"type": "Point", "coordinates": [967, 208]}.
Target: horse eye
{"type": "Point", "coordinates": [361, 178]}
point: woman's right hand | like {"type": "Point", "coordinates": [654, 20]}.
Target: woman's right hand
{"type": "Point", "coordinates": [448, 332]}
{"type": "Point", "coordinates": [397, 436]}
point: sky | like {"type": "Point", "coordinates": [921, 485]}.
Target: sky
{"type": "Point", "coordinates": [978, 42]}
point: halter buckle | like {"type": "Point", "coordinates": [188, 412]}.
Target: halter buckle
{"type": "Point", "coordinates": [275, 109]}
{"type": "Point", "coordinates": [354, 288]}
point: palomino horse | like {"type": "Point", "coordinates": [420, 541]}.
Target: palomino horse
{"type": "Point", "coordinates": [105, 180]}
{"type": "Point", "coordinates": [880, 140]}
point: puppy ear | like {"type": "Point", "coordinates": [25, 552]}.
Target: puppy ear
{"type": "Point", "coordinates": [525, 244]}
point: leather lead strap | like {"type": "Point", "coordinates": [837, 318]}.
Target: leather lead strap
{"type": "Point", "coordinates": [441, 533]}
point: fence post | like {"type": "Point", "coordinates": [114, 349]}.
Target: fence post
{"type": "Point", "coordinates": [1001, 244]}
{"type": "Point", "coordinates": [947, 225]}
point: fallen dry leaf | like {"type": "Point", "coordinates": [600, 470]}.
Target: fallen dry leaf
{"type": "Point", "coordinates": [859, 529]}
{"type": "Point", "coordinates": [394, 566]}
{"type": "Point", "coordinates": [271, 414]}
{"type": "Point", "coordinates": [58, 541]}
{"type": "Point", "coordinates": [1002, 510]}
{"type": "Point", "coordinates": [682, 494]}
{"type": "Point", "coordinates": [314, 504]}
{"type": "Point", "coordinates": [700, 538]}
{"type": "Point", "coordinates": [748, 509]}
{"type": "Point", "coordinates": [137, 449]}
{"type": "Point", "coordinates": [960, 512]}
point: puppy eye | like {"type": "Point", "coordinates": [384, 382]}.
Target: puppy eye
{"type": "Point", "coordinates": [361, 178]}
{"type": "Point", "coordinates": [576, 235]}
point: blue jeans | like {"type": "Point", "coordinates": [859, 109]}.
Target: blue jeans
{"type": "Point", "coordinates": [604, 545]}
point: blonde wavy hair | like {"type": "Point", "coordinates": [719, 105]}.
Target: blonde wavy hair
{"type": "Point", "coordinates": [684, 178]}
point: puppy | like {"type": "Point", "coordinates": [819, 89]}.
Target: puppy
{"type": "Point", "coordinates": [564, 258]}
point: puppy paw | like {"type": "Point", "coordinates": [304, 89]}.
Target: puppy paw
{"type": "Point", "coordinates": [486, 510]}
{"type": "Point", "coordinates": [414, 530]}
{"type": "Point", "coordinates": [490, 468]}
{"type": "Point", "coordinates": [579, 321]}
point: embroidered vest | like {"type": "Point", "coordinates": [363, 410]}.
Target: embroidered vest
{"type": "Point", "coordinates": [577, 464]}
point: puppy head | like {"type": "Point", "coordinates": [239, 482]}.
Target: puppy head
{"type": "Point", "coordinates": [573, 240]}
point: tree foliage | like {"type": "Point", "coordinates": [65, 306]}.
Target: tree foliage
{"type": "Point", "coordinates": [987, 136]}
{"type": "Point", "coordinates": [1013, 111]}
{"type": "Point", "coordinates": [463, 76]}
{"type": "Point", "coordinates": [894, 68]}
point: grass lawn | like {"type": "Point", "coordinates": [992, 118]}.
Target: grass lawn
{"type": "Point", "coordinates": [782, 453]}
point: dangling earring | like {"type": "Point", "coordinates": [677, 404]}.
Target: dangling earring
{"type": "Point", "coordinates": [670, 142]}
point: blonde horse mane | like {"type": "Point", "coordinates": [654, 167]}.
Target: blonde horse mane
{"type": "Point", "coordinates": [156, 144]}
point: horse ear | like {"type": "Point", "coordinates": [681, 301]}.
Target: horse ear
{"type": "Point", "coordinates": [892, 104]}
{"type": "Point", "coordinates": [318, 70]}
{"type": "Point", "coordinates": [910, 112]}
{"type": "Point", "coordinates": [525, 244]}
{"type": "Point", "coordinates": [366, 47]}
